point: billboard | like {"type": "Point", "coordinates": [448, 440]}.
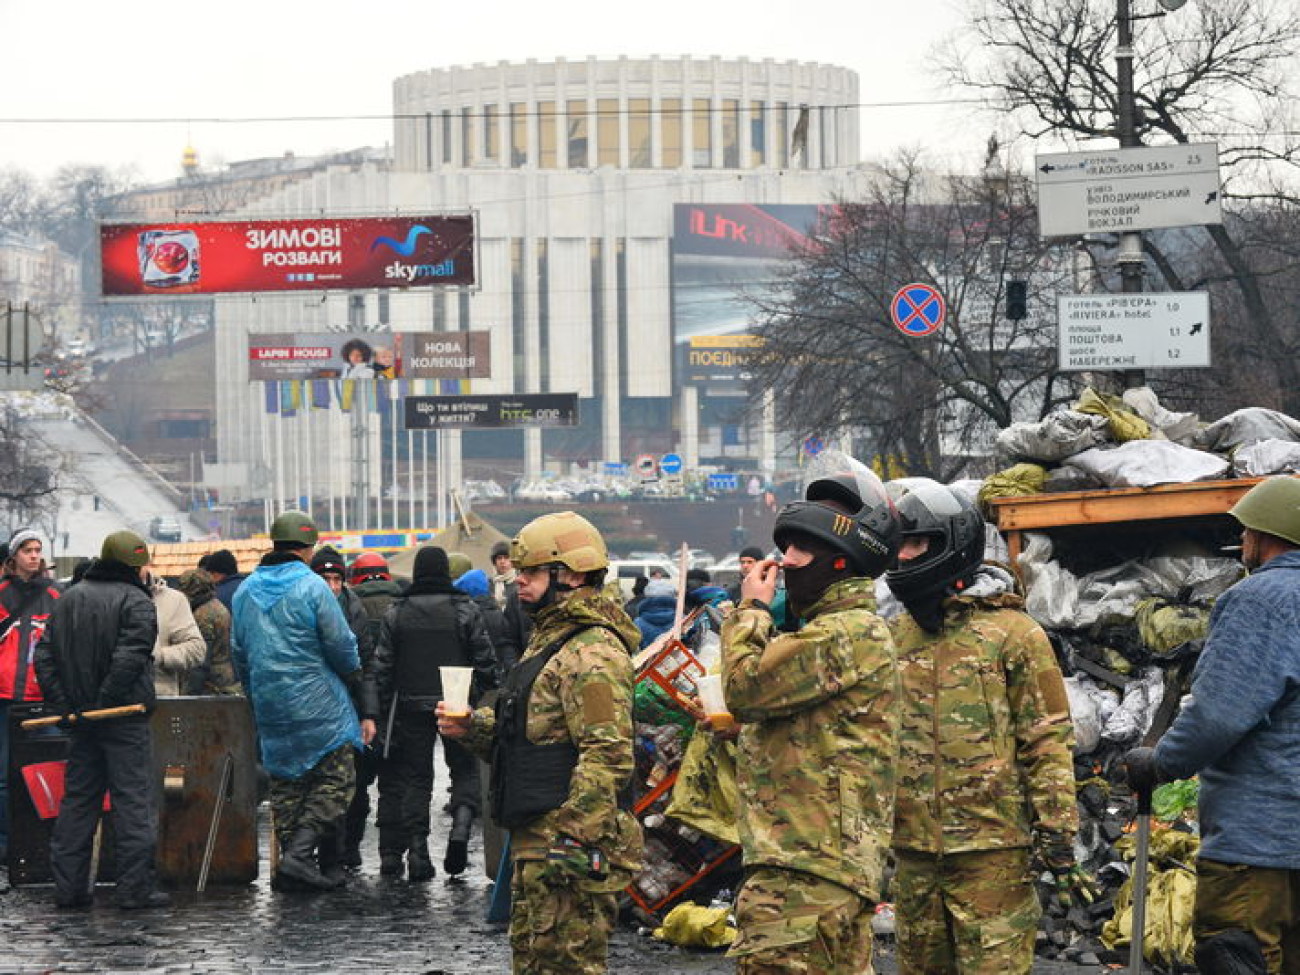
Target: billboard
{"type": "Point", "coordinates": [491, 412]}
{"type": "Point", "coordinates": [286, 255]}
{"type": "Point", "coordinates": [369, 355]}
{"type": "Point", "coordinates": [719, 252]}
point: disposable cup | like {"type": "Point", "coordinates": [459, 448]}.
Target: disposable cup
{"type": "Point", "coordinates": [455, 689]}
{"type": "Point", "coordinates": [713, 702]}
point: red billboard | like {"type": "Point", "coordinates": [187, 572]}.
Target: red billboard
{"type": "Point", "coordinates": [286, 255]}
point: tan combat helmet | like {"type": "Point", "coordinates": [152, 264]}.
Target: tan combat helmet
{"type": "Point", "coordinates": [564, 538]}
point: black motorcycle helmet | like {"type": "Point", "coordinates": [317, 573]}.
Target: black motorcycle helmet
{"type": "Point", "coordinates": [852, 513]}
{"type": "Point", "coordinates": [956, 533]}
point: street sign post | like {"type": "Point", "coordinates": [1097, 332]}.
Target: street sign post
{"type": "Point", "coordinates": [1125, 190]}
{"type": "Point", "coordinates": [645, 466]}
{"type": "Point", "coordinates": [1134, 331]}
{"type": "Point", "coordinates": [670, 464]}
{"type": "Point", "coordinates": [918, 309]}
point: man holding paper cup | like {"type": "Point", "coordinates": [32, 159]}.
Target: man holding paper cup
{"type": "Point", "coordinates": [818, 732]}
{"type": "Point", "coordinates": [560, 743]}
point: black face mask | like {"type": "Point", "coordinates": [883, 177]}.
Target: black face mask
{"type": "Point", "coordinates": [805, 585]}
{"type": "Point", "coordinates": [554, 589]}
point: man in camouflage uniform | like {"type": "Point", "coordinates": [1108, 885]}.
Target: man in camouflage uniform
{"type": "Point", "coordinates": [818, 740]}
{"type": "Point", "coordinates": [216, 675]}
{"type": "Point", "coordinates": [985, 768]}
{"type": "Point", "coordinates": [560, 741]}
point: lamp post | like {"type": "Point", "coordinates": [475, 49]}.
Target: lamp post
{"type": "Point", "coordinates": [1130, 244]}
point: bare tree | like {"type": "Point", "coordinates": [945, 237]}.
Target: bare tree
{"type": "Point", "coordinates": [1219, 71]}
{"type": "Point", "coordinates": [29, 478]}
{"type": "Point", "coordinates": [837, 362]}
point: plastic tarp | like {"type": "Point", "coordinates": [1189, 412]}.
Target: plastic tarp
{"type": "Point", "coordinates": [1266, 457]}
{"type": "Point", "coordinates": [1165, 424]}
{"type": "Point", "coordinates": [1247, 426]}
{"type": "Point", "coordinates": [1145, 463]}
{"type": "Point", "coordinates": [1055, 437]}
{"type": "Point", "coordinates": [1090, 708]}
{"type": "Point", "coordinates": [1131, 720]}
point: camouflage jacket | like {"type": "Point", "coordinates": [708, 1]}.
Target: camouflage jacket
{"type": "Point", "coordinates": [986, 739]}
{"type": "Point", "coordinates": [582, 695]}
{"type": "Point", "coordinates": [819, 737]}
{"type": "Point", "coordinates": [216, 675]}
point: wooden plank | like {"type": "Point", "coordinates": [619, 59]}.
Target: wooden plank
{"type": "Point", "coordinates": [1117, 505]}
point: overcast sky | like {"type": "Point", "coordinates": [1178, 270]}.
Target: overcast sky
{"type": "Point", "coordinates": [259, 59]}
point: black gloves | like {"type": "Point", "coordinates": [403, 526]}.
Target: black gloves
{"type": "Point", "coordinates": [1141, 770]}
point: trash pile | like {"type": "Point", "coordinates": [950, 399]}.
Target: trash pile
{"type": "Point", "coordinates": [1127, 612]}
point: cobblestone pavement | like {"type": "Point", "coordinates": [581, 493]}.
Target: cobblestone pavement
{"type": "Point", "coordinates": [375, 925]}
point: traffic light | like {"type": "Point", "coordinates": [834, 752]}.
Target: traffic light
{"type": "Point", "coordinates": [1017, 305]}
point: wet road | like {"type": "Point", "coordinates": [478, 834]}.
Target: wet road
{"type": "Point", "coordinates": [375, 925]}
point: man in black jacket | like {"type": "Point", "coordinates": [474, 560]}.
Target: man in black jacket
{"type": "Point", "coordinates": [97, 652]}
{"type": "Point", "coordinates": [436, 625]}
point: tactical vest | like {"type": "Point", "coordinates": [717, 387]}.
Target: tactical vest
{"type": "Point", "coordinates": [428, 638]}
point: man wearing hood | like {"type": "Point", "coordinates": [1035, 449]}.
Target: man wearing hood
{"type": "Point", "coordinates": [216, 674]}
{"type": "Point", "coordinates": [507, 639]}
{"type": "Point", "coordinates": [986, 768]}
{"type": "Point", "coordinates": [658, 610]}
{"type": "Point", "coordinates": [296, 657]}
{"type": "Point", "coordinates": [96, 653]}
{"type": "Point", "coordinates": [27, 597]}
{"type": "Point", "coordinates": [818, 736]}
{"type": "Point", "coordinates": [180, 647]}
{"type": "Point", "coordinates": [560, 743]}
{"type": "Point", "coordinates": [435, 626]}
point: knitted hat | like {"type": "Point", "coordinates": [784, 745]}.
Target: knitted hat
{"type": "Point", "coordinates": [21, 537]}
{"type": "Point", "coordinates": [660, 587]}
{"type": "Point", "coordinates": [500, 549]}
{"type": "Point", "coordinates": [327, 559]}
{"type": "Point", "coordinates": [752, 552]}
{"type": "Point", "coordinates": [431, 564]}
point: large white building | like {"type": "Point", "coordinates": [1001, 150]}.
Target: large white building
{"type": "Point", "coordinates": [573, 170]}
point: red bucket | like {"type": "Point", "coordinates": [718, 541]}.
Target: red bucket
{"type": "Point", "coordinates": [45, 786]}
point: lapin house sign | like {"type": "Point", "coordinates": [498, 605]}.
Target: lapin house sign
{"type": "Point", "coordinates": [490, 412]}
{"type": "Point", "coordinates": [286, 255]}
{"type": "Point", "coordinates": [369, 355]}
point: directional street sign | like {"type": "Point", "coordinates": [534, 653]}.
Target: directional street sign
{"type": "Point", "coordinates": [1134, 331]}
{"type": "Point", "coordinates": [1120, 190]}
{"type": "Point", "coordinates": [917, 309]}
{"type": "Point", "coordinates": [670, 464]}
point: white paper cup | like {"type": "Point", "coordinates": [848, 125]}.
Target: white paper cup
{"type": "Point", "coordinates": [713, 702]}
{"type": "Point", "coordinates": [455, 689]}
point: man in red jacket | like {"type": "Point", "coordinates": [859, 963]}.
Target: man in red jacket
{"type": "Point", "coordinates": [27, 596]}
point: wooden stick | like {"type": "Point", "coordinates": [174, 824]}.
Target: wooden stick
{"type": "Point", "coordinates": [100, 715]}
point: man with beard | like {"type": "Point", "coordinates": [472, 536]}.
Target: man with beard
{"type": "Point", "coordinates": [986, 766]}
{"type": "Point", "coordinates": [818, 739]}
{"type": "Point", "coordinates": [560, 742]}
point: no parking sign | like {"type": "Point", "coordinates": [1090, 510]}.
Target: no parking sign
{"type": "Point", "coordinates": [918, 309]}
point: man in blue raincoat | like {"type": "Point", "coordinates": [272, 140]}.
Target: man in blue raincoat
{"type": "Point", "coordinates": [296, 655]}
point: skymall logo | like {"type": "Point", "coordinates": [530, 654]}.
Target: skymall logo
{"type": "Point", "coordinates": [407, 248]}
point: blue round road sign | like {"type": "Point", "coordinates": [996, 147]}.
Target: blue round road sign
{"type": "Point", "coordinates": [813, 446]}
{"type": "Point", "coordinates": [918, 309]}
{"type": "Point", "coordinates": [670, 464]}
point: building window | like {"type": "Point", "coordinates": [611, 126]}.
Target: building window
{"type": "Point", "coordinates": [462, 308]}
{"type": "Point", "coordinates": [702, 133]}
{"type": "Point", "coordinates": [518, 339]}
{"type": "Point", "coordinates": [518, 134]}
{"type": "Point", "coordinates": [731, 134]}
{"type": "Point", "coordinates": [356, 312]}
{"type": "Point", "coordinates": [383, 308]}
{"type": "Point", "coordinates": [446, 137]}
{"type": "Point", "coordinates": [640, 146]}
{"type": "Point", "coordinates": [577, 134]}
{"type": "Point", "coordinates": [467, 119]}
{"type": "Point", "coordinates": [607, 132]}
{"type": "Point", "coordinates": [543, 317]}
{"type": "Point", "coordinates": [547, 158]}
{"type": "Point", "coordinates": [670, 125]}
{"type": "Point", "coordinates": [439, 311]}
{"type": "Point", "coordinates": [620, 297]}
{"type": "Point", "coordinates": [782, 135]}
{"type": "Point", "coordinates": [757, 135]}
{"type": "Point", "coordinates": [491, 132]}
{"type": "Point", "coordinates": [826, 135]}
{"type": "Point", "coordinates": [598, 351]}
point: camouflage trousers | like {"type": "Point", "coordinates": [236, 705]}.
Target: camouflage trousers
{"type": "Point", "coordinates": [791, 922]}
{"type": "Point", "coordinates": [965, 913]}
{"type": "Point", "coordinates": [315, 800]}
{"type": "Point", "coordinates": [1264, 901]}
{"type": "Point", "coordinates": [558, 928]}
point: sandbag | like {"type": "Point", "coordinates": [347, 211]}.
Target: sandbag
{"type": "Point", "coordinates": [1248, 426]}
{"type": "Point", "coordinates": [1124, 425]}
{"type": "Point", "coordinates": [693, 926]}
{"type": "Point", "coordinates": [1017, 481]}
{"type": "Point", "coordinates": [1266, 457]}
{"type": "Point", "coordinates": [1164, 625]}
{"type": "Point", "coordinates": [1171, 895]}
{"type": "Point", "coordinates": [1131, 720]}
{"type": "Point", "coordinates": [1165, 424]}
{"type": "Point", "coordinates": [1090, 708]}
{"type": "Point", "coordinates": [1145, 463]}
{"type": "Point", "coordinates": [1051, 591]}
{"type": "Point", "coordinates": [1054, 437]}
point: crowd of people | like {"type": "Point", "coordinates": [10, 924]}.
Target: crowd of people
{"type": "Point", "coordinates": [938, 740]}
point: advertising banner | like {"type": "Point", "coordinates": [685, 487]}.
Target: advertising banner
{"type": "Point", "coordinates": [491, 412]}
{"type": "Point", "coordinates": [721, 251]}
{"type": "Point", "coordinates": [286, 255]}
{"type": "Point", "coordinates": [369, 355]}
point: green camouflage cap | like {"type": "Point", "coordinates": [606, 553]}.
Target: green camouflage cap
{"type": "Point", "coordinates": [294, 526]}
{"type": "Point", "coordinates": [125, 546]}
